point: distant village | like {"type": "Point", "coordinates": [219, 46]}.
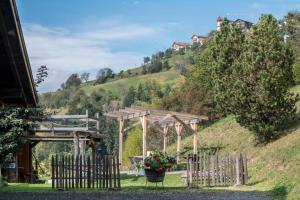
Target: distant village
{"type": "Point", "coordinates": [200, 39]}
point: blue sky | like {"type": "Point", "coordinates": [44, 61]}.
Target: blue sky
{"type": "Point", "coordinates": [75, 36]}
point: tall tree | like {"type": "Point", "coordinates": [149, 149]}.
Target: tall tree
{"type": "Point", "coordinates": [263, 74]}
{"type": "Point", "coordinates": [73, 81]}
{"type": "Point", "coordinates": [104, 74]}
{"type": "Point", "coordinates": [85, 76]}
{"type": "Point", "coordinates": [146, 60]}
{"type": "Point", "coordinates": [225, 49]}
{"type": "Point", "coordinates": [42, 73]}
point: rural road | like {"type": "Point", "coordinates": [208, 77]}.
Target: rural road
{"type": "Point", "coordinates": [134, 196]}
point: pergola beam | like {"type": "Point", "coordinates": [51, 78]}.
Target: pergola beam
{"type": "Point", "coordinates": [161, 121]}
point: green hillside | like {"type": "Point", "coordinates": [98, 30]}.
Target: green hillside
{"type": "Point", "coordinates": [274, 167]}
{"type": "Point", "coordinates": [116, 87]}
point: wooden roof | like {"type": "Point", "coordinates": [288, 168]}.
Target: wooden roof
{"type": "Point", "coordinates": [160, 117]}
{"type": "Point", "coordinates": [16, 80]}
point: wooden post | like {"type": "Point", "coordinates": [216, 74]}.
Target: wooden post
{"type": "Point", "coordinates": [178, 128]}
{"type": "Point", "coordinates": [76, 144]}
{"type": "Point", "coordinates": [194, 127]}
{"type": "Point", "coordinates": [52, 170]}
{"type": "Point", "coordinates": [237, 164]}
{"type": "Point", "coordinates": [121, 134]}
{"type": "Point", "coordinates": [245, 172]}
{"type": "Point", "coordinates": [82, 146]}
{"type": "Point", "coordinates": [165, 138]}
{"type": "Point", "coordinates": [144, 125]}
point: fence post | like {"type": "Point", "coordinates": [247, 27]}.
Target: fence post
{"type": "Point", "coordinates": [52, 169]}
{"type": "Point", "coordinates": [208, 170]}
{"type": "Point", "coordinates": [114, 171]}
{"type": "Point", "coordinates": [118, 172]}
{"type": "Point", "coordinates": [237, 170]}
{"type": "Point", "coordinates": [88, 172]}
{"type": "Point", "coordinates": [80, 171]}
{"type": "Point", "coordinates": [213, 180]}
{"type": "Point", "coordinates": [245, 169]}
{"type": "Point", "coordinates": [197, 169]}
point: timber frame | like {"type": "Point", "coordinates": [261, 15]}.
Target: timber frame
{"type": "Point", "coordinates": [161, 120]}
{"type": "Point", "coordinates": [81, 130]}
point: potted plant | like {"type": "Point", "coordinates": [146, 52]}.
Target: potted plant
{"type": "Point", "coordinates": [156, 164]}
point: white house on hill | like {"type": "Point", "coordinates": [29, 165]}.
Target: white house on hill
{"type": "Point", "coordinates": [198, 39]}
{"type": "Point", "coordinates": [176, 46]}
{"type": "Point", "coordinates": [242, 24]}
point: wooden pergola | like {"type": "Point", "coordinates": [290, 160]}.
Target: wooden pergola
{"type": "Point", "coordinates": [161, 120]}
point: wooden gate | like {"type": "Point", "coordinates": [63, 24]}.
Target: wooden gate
{"type": "Point", "coordinates": [82, 172]}
{"type": "Point", "coordinates": [214, 170]}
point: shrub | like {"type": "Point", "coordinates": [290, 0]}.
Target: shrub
{"type": "Point", "coordinates": [133, 145]}
{"type": "Point", "coordinates": [2, 182]}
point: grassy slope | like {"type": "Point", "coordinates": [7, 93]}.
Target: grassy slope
{"type": "Point", "coordinates": [274, 167]}
{"type": "Point", "coordinates": [117, 87]}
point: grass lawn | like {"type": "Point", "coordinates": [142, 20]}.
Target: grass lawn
{"type": "Point", "coordinates": [128, 184]}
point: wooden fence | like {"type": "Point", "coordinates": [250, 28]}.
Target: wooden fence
{"type": "Point", "coordinates": [80, 172]}
{"type": "Point", "coordinates": [214, 170]}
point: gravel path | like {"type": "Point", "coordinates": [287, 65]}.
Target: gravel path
{"type": "Point", "coordinates": [228, 195]}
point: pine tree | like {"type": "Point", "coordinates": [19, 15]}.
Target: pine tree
{"type": "Point", "coordinates": [42, 73]}
{"type": "Point", "coordinates": [262, 76]}
{"type": "Point", "coordinates": [224, 51]}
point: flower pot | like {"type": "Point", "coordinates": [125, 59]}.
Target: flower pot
{"type": "Point", "coordinates": [154, 176]}
{"type": "Point", "coordinates": [140, 172]}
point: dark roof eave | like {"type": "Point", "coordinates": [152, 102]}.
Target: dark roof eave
{"type": "Point", "coordinates": [19, 54]}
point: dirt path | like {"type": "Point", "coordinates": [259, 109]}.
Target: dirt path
{"type": "Point", "coordinates": [135, 196]}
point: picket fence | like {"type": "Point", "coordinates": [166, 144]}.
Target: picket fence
{"type": "Point", "coordinates": [215, 170]}
{"type": "Point", "coordinates": [82, 172]}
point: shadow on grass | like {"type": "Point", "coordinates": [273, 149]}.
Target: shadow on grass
{"type": "Point", "coordinates": [279, 192]}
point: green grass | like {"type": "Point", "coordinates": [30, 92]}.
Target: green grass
{"type": "Point", "coordinates": [128, 183]}
{"type": "Point", "coordinates": [117, 87]}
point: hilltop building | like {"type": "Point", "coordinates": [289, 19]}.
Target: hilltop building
{"type": "Point", "coordinates": [198, 39]}
{"type": "Point", "coordinates": [242, 24]}
{"type": "Point", "coordinates": [176, 46]}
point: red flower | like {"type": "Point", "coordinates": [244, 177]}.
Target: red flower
{"type": "Point", "coordinates": [158, 158]}
{"type": "Point", "coordinates": [150, 155]}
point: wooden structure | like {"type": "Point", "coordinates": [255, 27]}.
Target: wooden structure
{"type": "Point", "coordinates": [215, 170]}
{"type": "Point", "coordinates": [16, 81]}
{"type": "Point", "coordinates": [69, 172]}
{"type": "Point", "coordinates": [17, 86]}
{"type": "Point", "coordinates": [161, 120]}
{"type": "Point", "coordinates": [81, 130]}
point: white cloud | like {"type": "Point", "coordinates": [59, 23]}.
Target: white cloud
{"type": "Point", "coordinates": [66, 52]}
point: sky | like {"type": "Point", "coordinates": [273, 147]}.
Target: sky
{"type": "Point", "coordinates": [76, 36]}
